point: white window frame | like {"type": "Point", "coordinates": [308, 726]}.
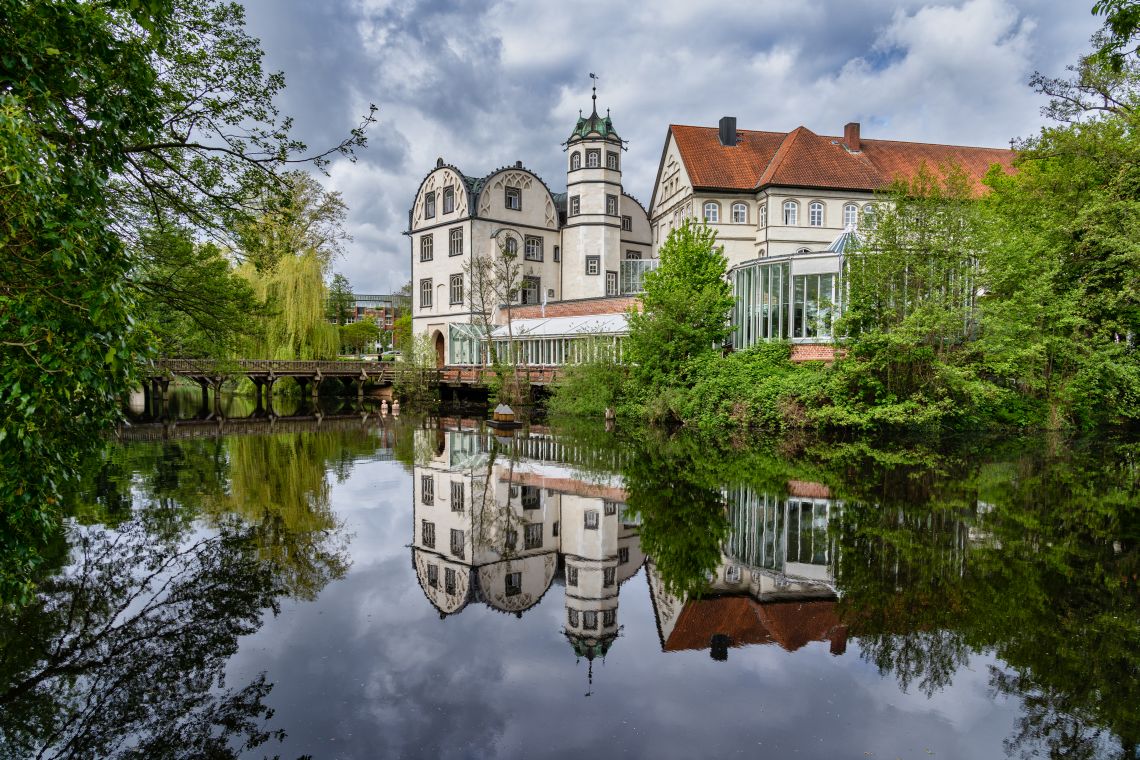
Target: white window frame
{"type": "Point", "coordinates": [791, 214]}
{"type": "Point", "coordinates": [425, 293]}
{"type": "Point", "coordinates": [427, 247]}
{"type": "Point", "coordinates": [429, 205]}
{"type": "Point", "coordinates": [740, 213]}
{"type": "Point", "coordinates": [815, 214]}
{"type": "Point", "coordinates": [512, 192]}
{"type": "Point", "coordinates": [611, 160]}
{"type": "Point", "coordinates": [593, 265]}
{"type": "Point", "coordinates": [455, 287]}
{"type": "Point", "coordinates": [575, 206]}
{"type": "Point", "coordinates": [575, 161]}
{"type": "Point", "coordinates": [593, 159]}
{"type": "Point", "coordinates": [455, 242]}
{"type": "Point", "coordinates": [448, 200]}
{"type": "Point", "coordinates": [611, 205]}
{"type": "Point", "coordinates": [712, 212]}
{"type": "Point", "coordinates": [532, 248]}
{"type": "Point", "coordinates": [591, 519]}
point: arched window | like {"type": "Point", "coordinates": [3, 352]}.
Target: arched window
{"type": "Point", "coordinates": [511, 246]}
{"type": "Point", "coordinates": [791, 213]}
{"type": "Point", "coordinates": [739, 213]}
{"type": "Point", "coordinates": [593, 159]}
{"type": "Point", "coordinates": [850, 216]}
{"type": "Point", "coordinates": [712, 212]}
{"type": "Point", "coordinates": [448, 200]}
{"type": "Point", "coordinates": [815, 214]}
{"type": "Point", "coordinates": [575, 160]}
{"type": "Point", "coordinates": [429, 205]}
{"type": "Point", "coordinates": [764, 215]}
{"type": "Point", "coordinates": [803, 250]}
{"type": "Point", "coordinates": [869, 220]}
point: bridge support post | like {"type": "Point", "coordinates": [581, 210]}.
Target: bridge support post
{"type": "Point", "coordinates": [162, 393]}
{"type": "Point", "coordinates": [216, 383]}
{"type": "Point", "coordinates": [316, 385]}
{"type": "Point", "coordinates": [204, 409]}
{"type": "Point", "coordinates": [258, 382]}
{"type": "Point", "coordinates": [360, 381]}
{"type": "Point", "coordinates": [269, 382]}
{"type": "Point", "coordinates": [303, 384]}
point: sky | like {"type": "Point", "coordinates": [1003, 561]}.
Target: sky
{"type": "Point", "coordinates": [486, 84]}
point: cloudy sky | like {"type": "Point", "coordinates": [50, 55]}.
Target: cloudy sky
{"type": "Point", "coordinates": [484, 84]}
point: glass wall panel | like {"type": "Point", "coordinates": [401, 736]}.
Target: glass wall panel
{"type": "Point", "coordinates": [813, 305]}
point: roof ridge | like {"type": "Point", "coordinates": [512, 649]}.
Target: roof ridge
{"type": "Point", "coordinates": [781, 153]}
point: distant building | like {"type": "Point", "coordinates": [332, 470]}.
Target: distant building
{"type": "Point", "coordinates": [383, 310]}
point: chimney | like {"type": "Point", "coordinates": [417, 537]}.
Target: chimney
{"type": "Point", "coordinates": [728, 131]}
{"type": "Point", "coordinates": [518, 164]}
{"type": "Point", "coordinates": [851, 137]}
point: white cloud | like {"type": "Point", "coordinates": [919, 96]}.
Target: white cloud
{"type": "Point", "coordinates": [485, 85]}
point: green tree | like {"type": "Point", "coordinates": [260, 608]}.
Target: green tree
{"type": "Point", "coordinates": [360, 335]}
{"type": "Point", "coordinates": [300, 217]}
{"type": "Point", "coordinates": [115, 118]}
{"type": "Point", "coordinates": [684, 308]}
{"type": "Point", "coordinates": [296, 301]}
{"type": "Point", "coordinates": [341, 300]}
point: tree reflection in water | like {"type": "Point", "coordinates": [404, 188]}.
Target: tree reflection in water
{"type": "Point", "coordinates": [123, 653]}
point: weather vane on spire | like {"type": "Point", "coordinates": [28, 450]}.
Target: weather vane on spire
{"type": "Point", "coordinates": [594, 77]}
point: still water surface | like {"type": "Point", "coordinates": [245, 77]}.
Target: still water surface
{"type": "Point", "coordinates": [367, 587]}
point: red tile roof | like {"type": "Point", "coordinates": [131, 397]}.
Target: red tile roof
{"type": "Point", "coordinates": [582, 307]}
{"type": "Point", "coordinates": [746, 621]}
{"type": "Point", "coordinates": [801, 158]}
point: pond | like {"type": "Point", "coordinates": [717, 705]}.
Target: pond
{"type": "Point", "coordinates": [350, 584]}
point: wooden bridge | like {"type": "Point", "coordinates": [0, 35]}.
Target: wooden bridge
{"type": "Point", "coordinates": [309, 374]}
{"type": "Point", "coordinates": [211, 428]}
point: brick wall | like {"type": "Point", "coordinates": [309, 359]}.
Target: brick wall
{"type": "Point", "coordinates": [808, 352]}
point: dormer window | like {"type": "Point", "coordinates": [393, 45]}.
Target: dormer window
{"type": "Point", "coordinates": [593, 159]}
{"type": "Point", "coordinates": [429, 206]}
{"type": "Point", "coordinates": [448, 200]}
{"type": "Point", "coordinates": [513, 198]}
{"type": "Point", "coordinates": [575, 160]}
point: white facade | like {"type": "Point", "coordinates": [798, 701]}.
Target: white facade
{"type": "Point", "coordinates": [571, 245]}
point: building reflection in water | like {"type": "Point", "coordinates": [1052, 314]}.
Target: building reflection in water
{"type": "Point", "coordinates": [774, 584]}
{"type": "Point", "coordinates": [500, 522]}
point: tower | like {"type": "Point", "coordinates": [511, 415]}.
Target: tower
{"type": "Point", "coordinates": [591, 239]}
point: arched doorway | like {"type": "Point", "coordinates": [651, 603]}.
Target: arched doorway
{"type": "Point", "coordinates": [440, 357]}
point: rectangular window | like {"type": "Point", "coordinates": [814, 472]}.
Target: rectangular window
{"type": "Point", "coordinates": [609, 617]}
{"type": "Point", "coordinates": [425, 294]}
{"type": "Point", "coordinates": [457, 542]}
{"type": "Point", "coordinates": [589, 620]}
{"type": "Point", "coordinates": [433, 575]}
{"type": "Point", "coordinates": [531, 289]}
{"type": "Point", "coordinates": [575, 205]}
{"type": "Point", "coordinates": [813, 301]}
{"type": "Point", "coordinates": [455, 242]}
{"type": "Point", "coordinates": [732, 574]}
{"type": "Point", "coordinates": [449, 583]}
{"type": "Point", "coordinates": [429, 206]}
{"type": "Point", "coordinates": [427, 489]}
{"type": "Point", "coordinates": [513, 584]}
{"type": "Point", "coordinates": [611, 205]}
{"type": "Point", "coordinates": [593, 159]}
{"type": "Point", "coordinates": [623, 555]}
{"type": "Point", "coordinates": [593, 265]}
{"type": "Point", "coordinates": [427, 248]}
{"type": "Point", "coordinates": [510, 538]}
{"type": "Point", "coordinates": [557, 253]}
{"type": "Point", "coordinates": [611, 282]}
{"type": "Point", "coordinates": [554, 529]}
{"type": "Point", "coordinates": [427, 532]}
{"type": "Point", "coordinates": [513, 198]}
{"type": "Point", "coordinates": [572, 617]}
{"type": "Point", "coordinates": [591, 519]}
{"type": "Point", "coordinates": [571, 576]}
{"type": "Point", "coordinates": [531, 497]}
{"type": "Point", "coordinates": [608, 577]}
{"type": "Point", "coordinates": [532, 536]}
{"type": "Point", "coordinates": [611, 160]}
{"type": "Point", "coordinates": [457, 494]}
{"type": "Point", "coordinates": [448, 201]}
{"type": "Point", "coordinates": [532, 250]}
{"type": "Point", "coordinates": [610, 508]}
{"type": "Point", "coordinates": [627, 224]}
{"type": "Point", "coordinates": [456, 288]}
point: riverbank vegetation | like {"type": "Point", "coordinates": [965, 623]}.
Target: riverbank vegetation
{"type": "Point", "coordinates": [139, 140]}
{"type": "Point", "coordinates": [1016, 309]}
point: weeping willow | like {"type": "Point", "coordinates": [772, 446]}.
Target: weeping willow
{"type": "Point", "coordinates": [295, 320]}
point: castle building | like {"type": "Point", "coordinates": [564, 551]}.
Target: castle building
{"type": "Point", "coordinates": [786, 207]}
{"type": "Point", "coordinates": [574, 245]}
